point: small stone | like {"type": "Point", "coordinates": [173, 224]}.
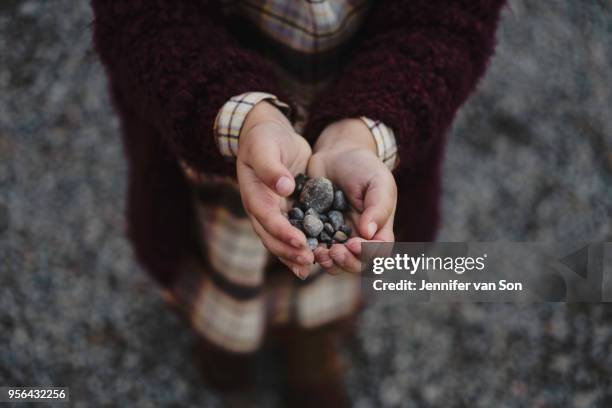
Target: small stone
{"type": "Point", "coordinates": [312, 243]}
{"type": "Point", "coordinates": [346, 229]}
{"type": "Point", "coordinates": [318, 193]}
{"type": "Point", "coordinates": [323, 218]}
{"type": "Point", "coordinates": [336, 219]}
{"type": "Point", "coordinates": [339, 201]}
{"type": "Point", "coordinates": [296, 223]}
{"type": "Point", "coordinates": [296, 214]}
{"type": "Point", "coordinates": [300, 180]}
{"type": "Point", "coordinates": [312, 225]}
{"type": "Point", "coordinates": [312, 211]}
{"type": "Point", "coordinates": [340, 237]}
{"type": "Point", "coordinates": [327, 227]}
{"type": "Point", "coordinates": [324, 237]}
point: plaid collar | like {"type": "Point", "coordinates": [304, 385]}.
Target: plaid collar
{"type": "Point", "coordinates": [306, 26]}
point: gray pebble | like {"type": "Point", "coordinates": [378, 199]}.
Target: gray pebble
{"type": "Point", "coordinates": [323, 218]}
{"type": "Point", "coordinates": [312, 225]}
{"type": "Point", "coordinates": [296, 214]}
{"type": "Point", "coordinates": [325, 237]}
{"type": "Point", "coordinates": [336, 219]}
{"type": "Point", "coordinates": [329, 228]}
{"type": "Point", "coordinates": [318, 193]}
{"type": "Point", "coordinates": [312, 243]}
{"type": "Point", "coordinates": [312, 211]}
{"type": "Point", "coordinates": [340, 237]}
{"type": "Point", "coordinates": [339, 201]}
{"type": "Point", "coordinates": [346, 229]}
{"type": "Point", "coordinates": [296, 223]}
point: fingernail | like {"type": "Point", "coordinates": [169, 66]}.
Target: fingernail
{"type": "Point", "coordinates": [296, 243]}
{"type": "Point", "coordinates": [283, 186]}
{"type": "Point", "coordinates": [296, 272]}
{"type": "Point", "coordinates": [372, 229]}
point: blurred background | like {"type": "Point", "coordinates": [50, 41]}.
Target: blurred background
{"type": "Point", "coordinates": [529, 159]}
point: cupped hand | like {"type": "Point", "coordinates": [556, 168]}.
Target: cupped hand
{"type": "Point", "coordinates": [270, 154]}
{"type": "Point", "coordinates": [345, 153]}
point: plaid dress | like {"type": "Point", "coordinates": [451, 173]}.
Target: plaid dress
{"type": "Point", "coordinates": [234, 289]}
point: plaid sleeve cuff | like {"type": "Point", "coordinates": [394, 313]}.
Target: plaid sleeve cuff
{"type": "Point", "coordinates": [231, 116]}
{"type": "Point", "coordinates": [385, 142]}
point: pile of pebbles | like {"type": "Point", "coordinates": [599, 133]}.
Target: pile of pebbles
{"type": "Point", "coordinates": [318, 211]}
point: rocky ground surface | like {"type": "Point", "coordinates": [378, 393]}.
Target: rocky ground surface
{"type": "Point", "coordinates": [530, 158]}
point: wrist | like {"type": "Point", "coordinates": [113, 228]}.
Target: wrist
{"type": "Point", "coordinates": [346, 134]}
{"type": "Point", "coordinates": [264, 112]}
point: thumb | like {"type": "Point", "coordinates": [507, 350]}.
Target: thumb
{"type": "Point", "coordinates": [378, 207]}
{"type": "Point", "coordinates": [266, 161]}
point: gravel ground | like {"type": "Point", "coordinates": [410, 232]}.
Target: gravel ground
{"type": "Point", "coordinates": [530, 158]}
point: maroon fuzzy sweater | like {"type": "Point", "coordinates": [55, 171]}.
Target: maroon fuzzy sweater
{"type": "Point", "coordinates": [173, 63]}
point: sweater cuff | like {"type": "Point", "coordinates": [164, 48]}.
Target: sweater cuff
{"type": "Point", "coordinates": [386, 147]}
{"type": "Point", "coordinates": [231, 116]}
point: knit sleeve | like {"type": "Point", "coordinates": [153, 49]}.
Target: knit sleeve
{"type": "Point", "coordinates": [415, 64]}
{"type": "Point", "coordinates": [176, 64]}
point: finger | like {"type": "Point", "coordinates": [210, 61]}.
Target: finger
{"type": "Point", "coordinates": [379, 202]}
{"type": "Point", "coordinates": [354, 245]}
{"type": "Point", "coordinates": [261, 203]}
{"type": "Point", "coordinates": [279, 227]}
{"type": "Point", "coordinates": [345, 259]}
{"type": "Point", "coordinates": [301, 271]}
{"type": "Point", "coordinates": [326, 262]}
{"type": "Point", "coordinates": [282, 250]}
{"type": "Point", "coordinates": [386, 232]}
{"type": "Point", "coordinates": [322, 257]}
{"type": "Point", "coordinates": [298, 256]}
{"type": "Point", "coordinates": [265, 159]}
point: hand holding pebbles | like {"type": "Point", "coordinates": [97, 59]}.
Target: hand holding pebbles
{"type": "Point", "coordinates": [318, 212]}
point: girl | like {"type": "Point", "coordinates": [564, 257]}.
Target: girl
{"type": "Point", "coordinates": [223, 102]}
